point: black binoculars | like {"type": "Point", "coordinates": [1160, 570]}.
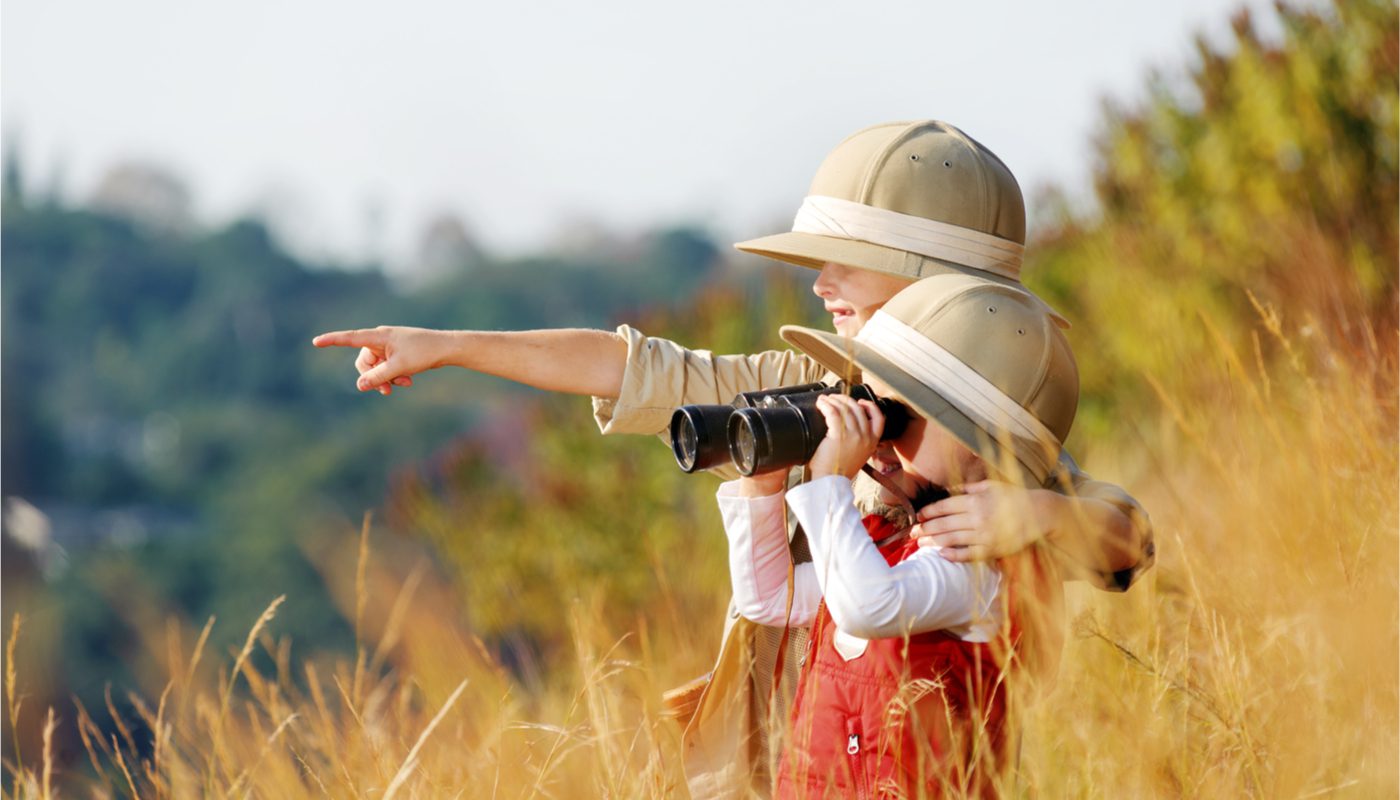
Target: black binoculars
{"type": "Point", "coordinates": [766, 430]}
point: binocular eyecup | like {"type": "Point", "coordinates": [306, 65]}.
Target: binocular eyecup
{"type": "Point", "coordinates": [766, 430]}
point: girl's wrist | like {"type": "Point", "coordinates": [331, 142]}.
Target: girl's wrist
{"type": "Point", "coordinates": [762, 485]}
{"type": "Point", "coordinates": [817, 473]}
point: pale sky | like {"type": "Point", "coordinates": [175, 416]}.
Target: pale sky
{"type": "Point", "coordinates": [521, 117]}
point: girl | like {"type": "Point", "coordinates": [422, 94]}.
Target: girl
{"type": "Point", "coordinates": [902, 690]}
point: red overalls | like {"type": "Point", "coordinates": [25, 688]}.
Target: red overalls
{"type": "Point", "coordinates": [921, 716]}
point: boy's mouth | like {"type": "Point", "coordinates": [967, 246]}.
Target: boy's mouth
{"type": "Point", "coordinates": [840, 315]}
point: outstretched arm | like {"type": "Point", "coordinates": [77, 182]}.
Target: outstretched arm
{"type": "Point", "coordinates": [570, 360]}
{"type": "Point", "coordinates": [866, 596]}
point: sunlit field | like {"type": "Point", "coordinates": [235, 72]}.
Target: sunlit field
{"type": "Point", "coordinates": [519, 610]}
{"type": "Point", "coordinates": [1257, 659]}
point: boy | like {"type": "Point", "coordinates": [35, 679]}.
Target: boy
{"type": "Point", "coordinates": [892, 204]}
{"type": "Point", "coordinates": [903, 691]}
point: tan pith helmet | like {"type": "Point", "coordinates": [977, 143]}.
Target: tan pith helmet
{"type": "Point", "coordinates": [982, 359]}
{"type": "Point", "coordinates": [911, 199]}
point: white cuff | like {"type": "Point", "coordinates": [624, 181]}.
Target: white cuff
{"type": "Point", "coordinates": [758, 553]}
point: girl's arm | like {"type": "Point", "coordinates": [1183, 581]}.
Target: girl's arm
{"type": "Point", "coordinates": [661, 375]}
{"type": "Point", "coordinates": [865, 595]}
{"type": "Point", "coordinates": [871, 599]}
{"type": "Point", "coordinates": [755, 522]}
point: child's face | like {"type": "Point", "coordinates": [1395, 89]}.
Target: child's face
{"type": "Point", "coordinates": [927, 455]}
{"type": "Point", "coordinates": [852, 295]}
{"type": "Point", "coordinates": [931, 455]}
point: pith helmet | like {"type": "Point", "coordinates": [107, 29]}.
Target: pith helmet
{"type": "Point", "coordinates": [983, 359]}
{"type": "Point", "coordinates": [911, 199]}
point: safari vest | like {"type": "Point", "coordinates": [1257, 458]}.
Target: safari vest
{"type": "Point", "coordinates": [734, 718]}
{"type": "Point", "coordinates": [921, 715]}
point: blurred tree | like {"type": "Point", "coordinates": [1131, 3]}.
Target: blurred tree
{"type": "Point", "coordinates": [167, 414]}
{"type": "Point", "coordinates": [147, 194]}
{"type": "Point", "coordinates": [444, 248]}
{"type": "Point", "coordinates": [12, 183]}
{"type": "Point", "coordinates": [1272, 170]}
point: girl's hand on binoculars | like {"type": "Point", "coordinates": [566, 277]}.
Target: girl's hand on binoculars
{"type": "Point", "coordinates": [853, 429]}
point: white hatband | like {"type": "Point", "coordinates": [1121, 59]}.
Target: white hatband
{"type": "Point", "coordinates": [843, 219]}
{"type": "Point", "coordinates": [962, 386]}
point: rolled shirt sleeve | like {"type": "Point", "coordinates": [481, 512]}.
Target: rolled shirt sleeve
{"type": "Point", "coordinates": [1086, 487]}
{"type": "Point", "coordinates": [661, 376]}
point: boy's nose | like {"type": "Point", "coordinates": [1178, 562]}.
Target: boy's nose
{"type": "Point", "coordinates": [825, 285]}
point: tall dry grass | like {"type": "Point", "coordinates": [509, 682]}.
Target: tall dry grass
{"type": "Point", "coordinates": [423, 710]}
{"type": "Point", "coordinates": [1258, 658]}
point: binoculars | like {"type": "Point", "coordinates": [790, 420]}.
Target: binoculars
{"type": "Point", "coordinates": [766, 430]}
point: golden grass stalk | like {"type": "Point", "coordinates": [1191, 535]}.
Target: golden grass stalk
{"type": "Point", "coordinates": [411, 761]}
{"type": "Point", "coordinates": [12, 698]}
{"type": "Point", "coordinates": [198, 651]}
{"type": "Point", "coordinates": [50, 725]}
{"type": "Point", "coordinates": [121, 764]}
{"type": "Point", "coordinates": [361, 597]}
{"type": "Point", "coordinates": [243, 654]}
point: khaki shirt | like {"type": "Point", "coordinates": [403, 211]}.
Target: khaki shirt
{"type": "Point", "coordinates": [727, 745]}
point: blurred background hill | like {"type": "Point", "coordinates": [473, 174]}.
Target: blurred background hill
{"type": "Point", "coordinates": [175, 428]}
{"type": "Point", "coordinates": [174, 449]}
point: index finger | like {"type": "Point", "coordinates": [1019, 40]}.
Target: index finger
{"type": "Point", "coordinates": [363, 337]}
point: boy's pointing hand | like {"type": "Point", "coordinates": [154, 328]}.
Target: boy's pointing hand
{"type": "Point", "coordinates": [389, 355]}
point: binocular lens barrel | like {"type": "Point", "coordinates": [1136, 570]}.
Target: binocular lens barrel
{"type": "Point", "coordinates": [761, 439]}
{"type": "Point", "coordinates": [697, 436]}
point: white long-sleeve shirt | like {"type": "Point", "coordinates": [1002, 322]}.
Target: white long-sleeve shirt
{"type": "Point", "coordinates": [866, 596]}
